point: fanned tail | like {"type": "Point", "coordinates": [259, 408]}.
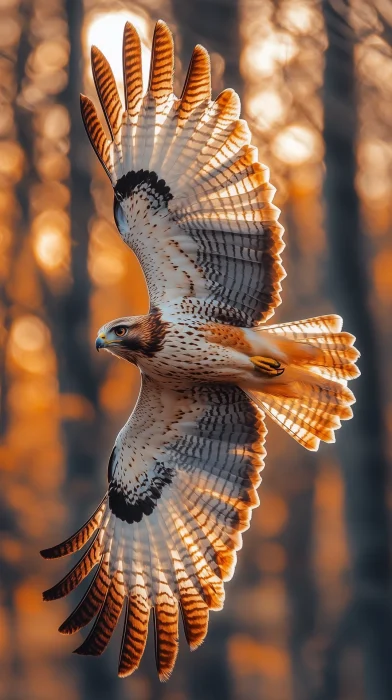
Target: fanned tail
{"type": "Point", "coordinates": [310, 398]}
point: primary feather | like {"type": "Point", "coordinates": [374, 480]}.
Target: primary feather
{"type": "Point", "coordinates": [218, 239]}
{"type": "Point", "coordinates": [166, 534]}
{"type": "Point", "coordinates": [195, 205]}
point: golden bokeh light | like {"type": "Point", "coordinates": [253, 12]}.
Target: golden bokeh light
{"type": "Point", "coordinates": [107, 268]}
{"type": "Point", "coordinates": [53, 166]}
{"type": "Point", "coordinates": [266, 109]}
{"type": "Point", "coordinates": [37, 395]}
{"type": "Point", "coordinates": [261, 58]}
{"type": "Point", "coordinates": [51, 249]}
{"type": "Point", "coordinates": [106, 30]}
{"type": "Point", "coordinates": [29, 333]}
{"type": "Point", "coordinates": [50, 56]}
{"type": "Point", "coordinates": [297, 144]}
{"type": "Point", "coordinates": [106, 264]}
{"type": "Point", "coordinates": [29, 345]}
{"type": "Point", "coordinates": [11, 161]}
{"type": "Point", "coordinates": [54, 122]}
{"type": "Point", "coordinates": [300, 16]}
{"type": "Point", "coordinates": [375, 161]}
{"type": "Point", "coordinates": [51, 243]}
{"type": "Point", "coordinates": [9, 31]}
{"type": "Point", "coordinates": [374, 61]}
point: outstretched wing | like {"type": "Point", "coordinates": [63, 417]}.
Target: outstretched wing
{"type": "Point", "coordinates": [191, 199]}
{"type": "Point", "coordinates": [182, 482]}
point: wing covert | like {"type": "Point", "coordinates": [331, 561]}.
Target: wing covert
{"type": "Point", "coordinates": [182, 483]}
{"type": "Point", "coordinates": [191, 198]}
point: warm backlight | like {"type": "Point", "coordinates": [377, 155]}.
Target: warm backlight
{"type": "Point", "coordinates": [106, 30]}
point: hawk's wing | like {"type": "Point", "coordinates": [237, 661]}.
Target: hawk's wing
{"type": "Point", "coordinates": [182, 481]}
{"type": "Point", "coordinates": [191, 199]}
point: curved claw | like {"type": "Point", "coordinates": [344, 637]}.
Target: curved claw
{"type": "Point", "coordinates": [267, 365]}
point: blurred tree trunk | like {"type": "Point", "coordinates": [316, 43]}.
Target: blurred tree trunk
{"type": "Point", "coordinates": [209, 672]}
{"type": "Point", "coordinates": [12, 573]}
{"type": "Point", "coordinates": [301, 588]}
{"type": "Point", "coordinates": [299, 535]}
{"type": "Point", "coordinates": [214, 24]}
{"type": "Point", "coordinates": [362, 446]}
{"type": "Point", "coordinates": [69, 317]}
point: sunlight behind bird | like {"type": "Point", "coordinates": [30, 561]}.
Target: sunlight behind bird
{"type": "Point", "coordinates": [105, 30]}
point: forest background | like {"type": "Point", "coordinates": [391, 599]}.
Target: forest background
{"type": "Point", "coordinates": [307, 615]}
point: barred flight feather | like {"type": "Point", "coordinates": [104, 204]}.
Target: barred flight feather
{"type": "Point", "coordinates": [201, 151]}
{"type": "Point", "coordinates": [178, 556]}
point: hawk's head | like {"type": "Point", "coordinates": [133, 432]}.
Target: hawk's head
{"type": "Point", "coordinates": [132, 336]}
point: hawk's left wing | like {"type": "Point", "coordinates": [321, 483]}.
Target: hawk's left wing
{"type": "Point", "coordinates": [182, 482]}
{"type": "Point", "coordinates": [191, 198]}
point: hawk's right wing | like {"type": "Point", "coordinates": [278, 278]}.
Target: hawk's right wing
{"type": "Point", "coordinates": [182, 481]}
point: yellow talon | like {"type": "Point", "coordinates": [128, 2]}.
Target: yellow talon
{"type": "Point", "coordinates": [267, 365]}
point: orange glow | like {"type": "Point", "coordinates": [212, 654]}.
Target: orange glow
{"type": "Point", "coordinates": [9, 31]}
{"type": "Point", "coordinates": [5, 238]}
{"type": "Point", "coordinates": [11, 160]}
{"type": "Point", "coordinates": [50, 248]}
{"type": "Point", "coordinates": [331, 546]}
{"type": "Point", "coordinates": [53, 166]}
{"type": "Point", "coordinates": [29, 334]}
{"type": "Point", "coordinates": [50, 55]}
{"type": "Point", "coordinates": [272, 514]}
{"type": "Point", "coordinates": [54, 123]}
{"type": "Point", "coordinates": [107, 265]}
{"type": "Point", "coordinates": [374, 59]}
{"type": "Point", "coordinates": [36, 395]}
{"type": "Point", "coordinates": [107, 268]}
{"type": "Point", "coordinates": [29, 345]}
{"type": "Point", "coordinates": [120, 390]}
{"type": "Point", "coordinates": [249, 656]}
{"type": "Point", "coordinates": [382, 267]}
{"type": "Point", "coordinates": [375, 160]}
{"type": "Point", "coordinates": [51, 243]}
{"type": "Point", "coordinates": [6, 120]}
{"type": "Point", "coordinates": [272, 558]}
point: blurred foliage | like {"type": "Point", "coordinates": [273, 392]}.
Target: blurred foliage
{"type": "Point", "coordinates": [64, 272]}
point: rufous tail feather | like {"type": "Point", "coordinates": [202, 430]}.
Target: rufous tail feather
{"type": "Point", "coordinates": [310, 398]}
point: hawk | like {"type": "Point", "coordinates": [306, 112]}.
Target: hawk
{"type": "Point", "coordinates": [195, 205]}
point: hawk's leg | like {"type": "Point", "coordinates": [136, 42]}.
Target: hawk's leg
{"type": "Point", "coordinates": [267, 366]}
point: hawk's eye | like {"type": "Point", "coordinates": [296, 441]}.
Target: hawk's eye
{"type": "Point", "coordinates": [120, 331]}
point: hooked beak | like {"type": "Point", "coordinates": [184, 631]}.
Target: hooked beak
{"type": "Point", "coordinates": [100, 341]}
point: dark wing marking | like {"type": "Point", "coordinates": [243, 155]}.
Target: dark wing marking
{"type": "Point", "coordinates": [188, 464]}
